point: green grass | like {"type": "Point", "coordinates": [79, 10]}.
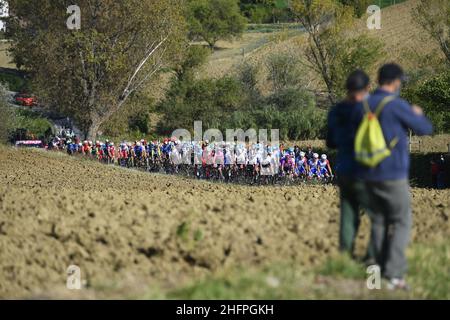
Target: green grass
{"type": "Point", "coordinates": [338, 278]}
{"type": "Point", "coordinates": [430, 271]}
{"type": "Point", "coordinates": [342, 266]}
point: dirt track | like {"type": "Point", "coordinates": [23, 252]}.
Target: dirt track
{"type": "Point", "coordinates": [124, 227]}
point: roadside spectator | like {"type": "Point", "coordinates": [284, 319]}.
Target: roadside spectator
{"type": "Point", "coordinates": [340, 136]}
{"type": "Point", "coordinates": [434, 173]}
{"type": "Point", "coordinates": [441, 173]}
{"type": "Point", "coordinates": [309, 153]}
{"type": "Point", "coordinates": [388, 183]}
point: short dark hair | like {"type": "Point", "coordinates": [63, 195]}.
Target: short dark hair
{"type": "Point", "coordinates": [389, 73]}
{"type": "Point", "coordinates": [358, 80]}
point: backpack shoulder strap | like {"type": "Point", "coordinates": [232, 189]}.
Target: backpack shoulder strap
{"type": "Point", "coordinates": [383, 104]}
{"type": "Point", "coordinates": [366, 106]}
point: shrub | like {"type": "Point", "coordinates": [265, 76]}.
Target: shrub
{"type": "Point", "coordinates": [434, 96]}
{"type": "Point", "coordinates": [284, 71]}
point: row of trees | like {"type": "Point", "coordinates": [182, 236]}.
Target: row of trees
{"type": "Point", "coordinates": [276, 11]}
{"type": "Point", "coordinates": [266, 11]}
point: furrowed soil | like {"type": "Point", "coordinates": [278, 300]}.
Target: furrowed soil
{"type": "Point", "coordinates": [133, 230]}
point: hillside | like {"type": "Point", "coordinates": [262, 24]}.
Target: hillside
{"type": "Point", "coordinates": [405, 42]}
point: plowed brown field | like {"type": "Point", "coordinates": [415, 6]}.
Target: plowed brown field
{"type": "Point", "coordinates": [125, 227]}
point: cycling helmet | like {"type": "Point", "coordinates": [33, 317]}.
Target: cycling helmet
{"type": "Point", "coordinates": [316, 156]}
{"type": "Point", "coordinates": [324, 157]}
{"type": "Point", "coordinates": [302, 154]}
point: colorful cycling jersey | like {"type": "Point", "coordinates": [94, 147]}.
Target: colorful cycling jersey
{"type": "Point", "coordinates": [138, 151]}
{"type": "Point", "coordinates": [72, 148]}
{"type": "Point", "coordinates": [301, 162]}
{"type": "Point", "coordinates": [86, 149]}
{"type": "Point", "coordinates": [301, 165]}
{"type": "Point", "coordinates": [288, 162]}
{"type": "Point", "coordinates": [323, 166]}
{"type": "Point", "coordinates": [105, 149]}
{"type": "Point", "coordinates": [227, 157]}
{"type": "Point", "coordinates": [314, 167]}
{"type": "Point", "coordinates": [124, 152]}
{"type": "Point", "coordinates": [220, 157]}
{"type": "Point", "coordinates": [166, 148]}
{"type": "Point", "coordinates": [241, 155]}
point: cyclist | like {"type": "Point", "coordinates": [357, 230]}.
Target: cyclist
{"type": "Point", "coordinates": [301, 168]}
{"type": "Point", "coordinates": [313, 164]}
{"type": "Point", "coordinates": [324, 167]}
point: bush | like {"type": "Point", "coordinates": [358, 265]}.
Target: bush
{"type": "Point", "coordinates": [284, 71]}
{"type": "Point", "coordinates": [13, 119]}
{"type": "Point", "coordinates": [267, 12]}
{"type": "Point", "coordinates": [207, 100]}
{"type": "Point", "coordinates": [14, 82]}
{"type": "Point", "coordinates": [360, 6]}
{"type": "Point", "coordinates": [230, 103]}
{"type": "Point", "coordinates": [434, 96]}
{"type": "Point", "coordinates": [32, 122]}
{"type": "Point", "coordinates": [298, 124]}
{"type": "Point", "coordinates": [214, 20]}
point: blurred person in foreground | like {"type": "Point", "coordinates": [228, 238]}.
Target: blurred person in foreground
{"type": "Point", "coordinates": [340, 136]}
{"type": "Point", "coordinates": [387, 183]}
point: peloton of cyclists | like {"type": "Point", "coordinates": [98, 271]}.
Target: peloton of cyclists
{"type": "Point", "coordinates": [225, 161]}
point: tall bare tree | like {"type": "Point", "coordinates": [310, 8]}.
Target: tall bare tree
{"type": "Point", "coordinates": [90, 73]}
{"type": "Point", "coordinates": [434, 17]}
{"type": "Point", "coordinates": [333, 48]}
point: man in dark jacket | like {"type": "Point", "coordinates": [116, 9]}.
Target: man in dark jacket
{"type": "Point", "coordinates": [341, 137]}
{"type": "Point", "coordinates": [388, 183]}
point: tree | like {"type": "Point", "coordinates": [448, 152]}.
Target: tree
{"type": "Point", "coordinates": [284, 71]}
{"type": "Point", "coordinates": [360, 6]}
{"type": "Point", "coordinates": [434, 17]}
{"type": "Point", "coordinates": [213, 20]}
{"type": "Point", "coordinates": [266, 11]}
{"type": "Point", "coordinates": [434, 96]}
{"type": "Point", "coordinates": [332, 51]}
{"type": "Point", "coordinates": [193, 57]}
{"type": "Point", "coordinates": [90, 73]}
